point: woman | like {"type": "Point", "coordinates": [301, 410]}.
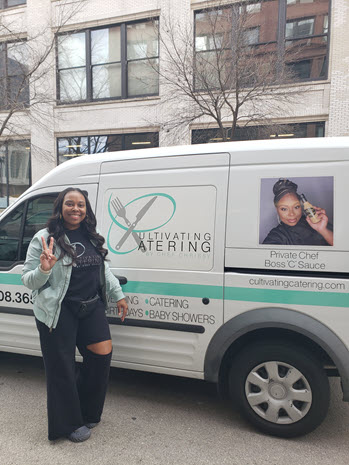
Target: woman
{"type": "Point", "coordinates": [294, 228]}
{"type": "Point", "coordinates": [66, 269]}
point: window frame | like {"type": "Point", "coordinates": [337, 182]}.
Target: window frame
{"type": "Point", "coordinates": [7, 76]}
{"type": "Point", "coordinates": [6, 144]}
{"type": "Point", "coordinates": [6, 5]}
{"type": "Point", "coordinates": [318, 125]}
{"type": "Point", "coordinates": [281, 39]}
{"type": "Point", "coordinates": [90, 136]}
{"type": "Point", "coordinates": [58, 69]}
{"type": "Point", "coordinates": [297, 20]}
{"type": "Point", "coordinates": [6, 265]}
{"type": "Point", "coordinates": [92, 66]}
{"type": "Point", "coordinates": [124, 61]}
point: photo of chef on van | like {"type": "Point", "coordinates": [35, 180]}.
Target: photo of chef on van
{"type": "Point", "coordinates": [296, 211]}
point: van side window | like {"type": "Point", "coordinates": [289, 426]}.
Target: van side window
{"type": "Point", "coordinates": [19, 226]}
{"type": "Point", "coordinates": [10, 229]}
{"type": "Point", "coordinates": [38, 212]}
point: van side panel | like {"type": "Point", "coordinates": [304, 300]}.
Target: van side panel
{"type": "Point", "coordinates": [172, 257]}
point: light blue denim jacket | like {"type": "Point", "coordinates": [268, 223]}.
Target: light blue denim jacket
{"type": "Point", "coordinates": [50, 289]}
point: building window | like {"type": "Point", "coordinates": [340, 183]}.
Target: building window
{"type": "Point", "coordinates": [14, 85]}
{"type": "Point", "coordinates": [251, 36]}
{"type": "Point", "coordinates": [71, 147]}
{"type": "Point", "coordinates": [106, 63]}
{"type": "Point", "coordinates": [299, 27]}
{"type": "Point", "coordinates": [72, 67]}
{"type": "Point", "coordinates": [15, 175]}
{"type": "Point", "coordinates": [306, 39]}
{"type": "Point", "coordinates": [111, 62]}
{"type": "Point", "coordinates": [287, 131]}
{"type": "Point", "coordinates": [294, 31]}
{"type": "Point", "coordinates": [10, 3]}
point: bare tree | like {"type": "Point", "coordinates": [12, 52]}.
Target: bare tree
{"type": "Point", "coordinates": [225, 73]}
{"type": "Point", "coordinates": [25, 65]}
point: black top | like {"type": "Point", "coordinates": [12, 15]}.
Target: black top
{"type": "Point", "coordinates": [85, 278]}
{"type": "Point", "coordinates": [300, 234]}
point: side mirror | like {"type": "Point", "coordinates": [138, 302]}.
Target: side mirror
{"type": "Point", "coordinates": [122, 279]}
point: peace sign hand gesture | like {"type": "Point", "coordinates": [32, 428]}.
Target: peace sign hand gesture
{"type": "Point", "coordinates": [47, 258]}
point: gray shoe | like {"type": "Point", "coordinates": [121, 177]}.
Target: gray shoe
{"type": "Point", "coordinates": [91, 425]}
{"type": "Point", "coordinates": [79, 435]}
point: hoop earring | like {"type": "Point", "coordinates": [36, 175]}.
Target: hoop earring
{"type": "Point", "coordinates": [278, 218]}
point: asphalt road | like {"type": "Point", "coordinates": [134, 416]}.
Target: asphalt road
{"type": "Point", "coordinates": [154, 419]}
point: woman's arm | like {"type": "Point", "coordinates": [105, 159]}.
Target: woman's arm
{"type": "Point", "coordinates": [113, 289]}
{"type": "Point", "coordinates": [328, 236]}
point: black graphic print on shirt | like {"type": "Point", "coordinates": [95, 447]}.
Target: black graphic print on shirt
{"type": "Point", "coordinates": [85, 278]}
{"type": "Point", "coordinates": [85, 256]}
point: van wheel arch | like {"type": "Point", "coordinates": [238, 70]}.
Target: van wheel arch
{"type": "Point", "coordinates": [270, 324]}
{"type": "Point", "coordinates": [267, 335]}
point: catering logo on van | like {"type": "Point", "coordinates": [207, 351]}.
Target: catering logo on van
{"type": "Point", "coordinates": [147, 227]}
{"type": "Point", "coordinates": [136, 218]}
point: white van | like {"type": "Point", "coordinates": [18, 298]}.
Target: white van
{"type": "Point", "coordinates": [209, 296]}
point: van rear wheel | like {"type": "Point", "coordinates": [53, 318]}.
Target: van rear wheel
{"type": "Point", "coordinates": [281, 389]}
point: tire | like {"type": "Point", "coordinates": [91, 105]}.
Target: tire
{"type": "Point", "coordinates": [280, 388]}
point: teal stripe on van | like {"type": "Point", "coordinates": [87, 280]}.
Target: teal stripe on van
{"type": "Point", "coordinates": [9, 278]}
{"type": "Point", "coordinates": [174, 289]}
{"type": "Point", "coordinates": [245, 294]}
{"type": "Point", "coordinates": [275, 296]}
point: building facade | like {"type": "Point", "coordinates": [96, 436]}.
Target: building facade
{"type": "Point", "coordinates": [100, 87]}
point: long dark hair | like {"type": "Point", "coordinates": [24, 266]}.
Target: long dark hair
{"type": "Point", "coordinates": [55, 226]}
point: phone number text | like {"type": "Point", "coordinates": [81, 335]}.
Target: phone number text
{"type": "Point", "coordinates": [16, 297]}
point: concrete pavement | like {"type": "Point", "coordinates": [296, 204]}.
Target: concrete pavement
{"type": "Point", "coordinates": [152, 419]}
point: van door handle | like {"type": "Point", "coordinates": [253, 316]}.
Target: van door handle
{"type": "Point", "coordinates": [122, 279]}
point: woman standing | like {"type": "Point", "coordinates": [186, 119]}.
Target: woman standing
{"type": "Point", "coordinates": [294, 228]}
{"type": "Point", "coordinates": [66, 269]}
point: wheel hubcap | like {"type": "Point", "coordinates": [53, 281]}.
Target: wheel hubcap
{"type": "Point", "coordinates": [278, 392]}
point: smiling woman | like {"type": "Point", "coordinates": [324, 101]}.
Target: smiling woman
{"type": "Point", "coordinates": [66, 269]}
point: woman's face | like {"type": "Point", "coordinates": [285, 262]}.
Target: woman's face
{"type": "Point", "coordinates": [289, 209]}
{"type": "Point", "coordinates": [73, 209]}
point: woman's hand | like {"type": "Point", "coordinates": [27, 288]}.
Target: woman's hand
{"type": "Point", "coordinates": [321, 226]}
{"type": "Point", "coordinates": [47, 258]}
{"type": "Point", "coordinates": [122, 308]}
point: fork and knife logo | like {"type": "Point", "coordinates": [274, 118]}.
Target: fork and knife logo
{"type": "Point", "coordinates": [120, 211]}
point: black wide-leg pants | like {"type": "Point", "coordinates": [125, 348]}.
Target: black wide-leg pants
{"type": "Point", "coordinates": [75, 392]}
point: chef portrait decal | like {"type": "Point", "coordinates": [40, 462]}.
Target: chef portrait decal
{"type": "Point", "coordinates": [296, 211]}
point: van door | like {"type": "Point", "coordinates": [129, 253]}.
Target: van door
{"type": "Point", "coordinates": [164, 223]}
{"type": "Point", "coordinates": [16, 231]}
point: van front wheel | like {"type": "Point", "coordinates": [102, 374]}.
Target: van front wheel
{"type": "Point", "coordinates": [281, 389]}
